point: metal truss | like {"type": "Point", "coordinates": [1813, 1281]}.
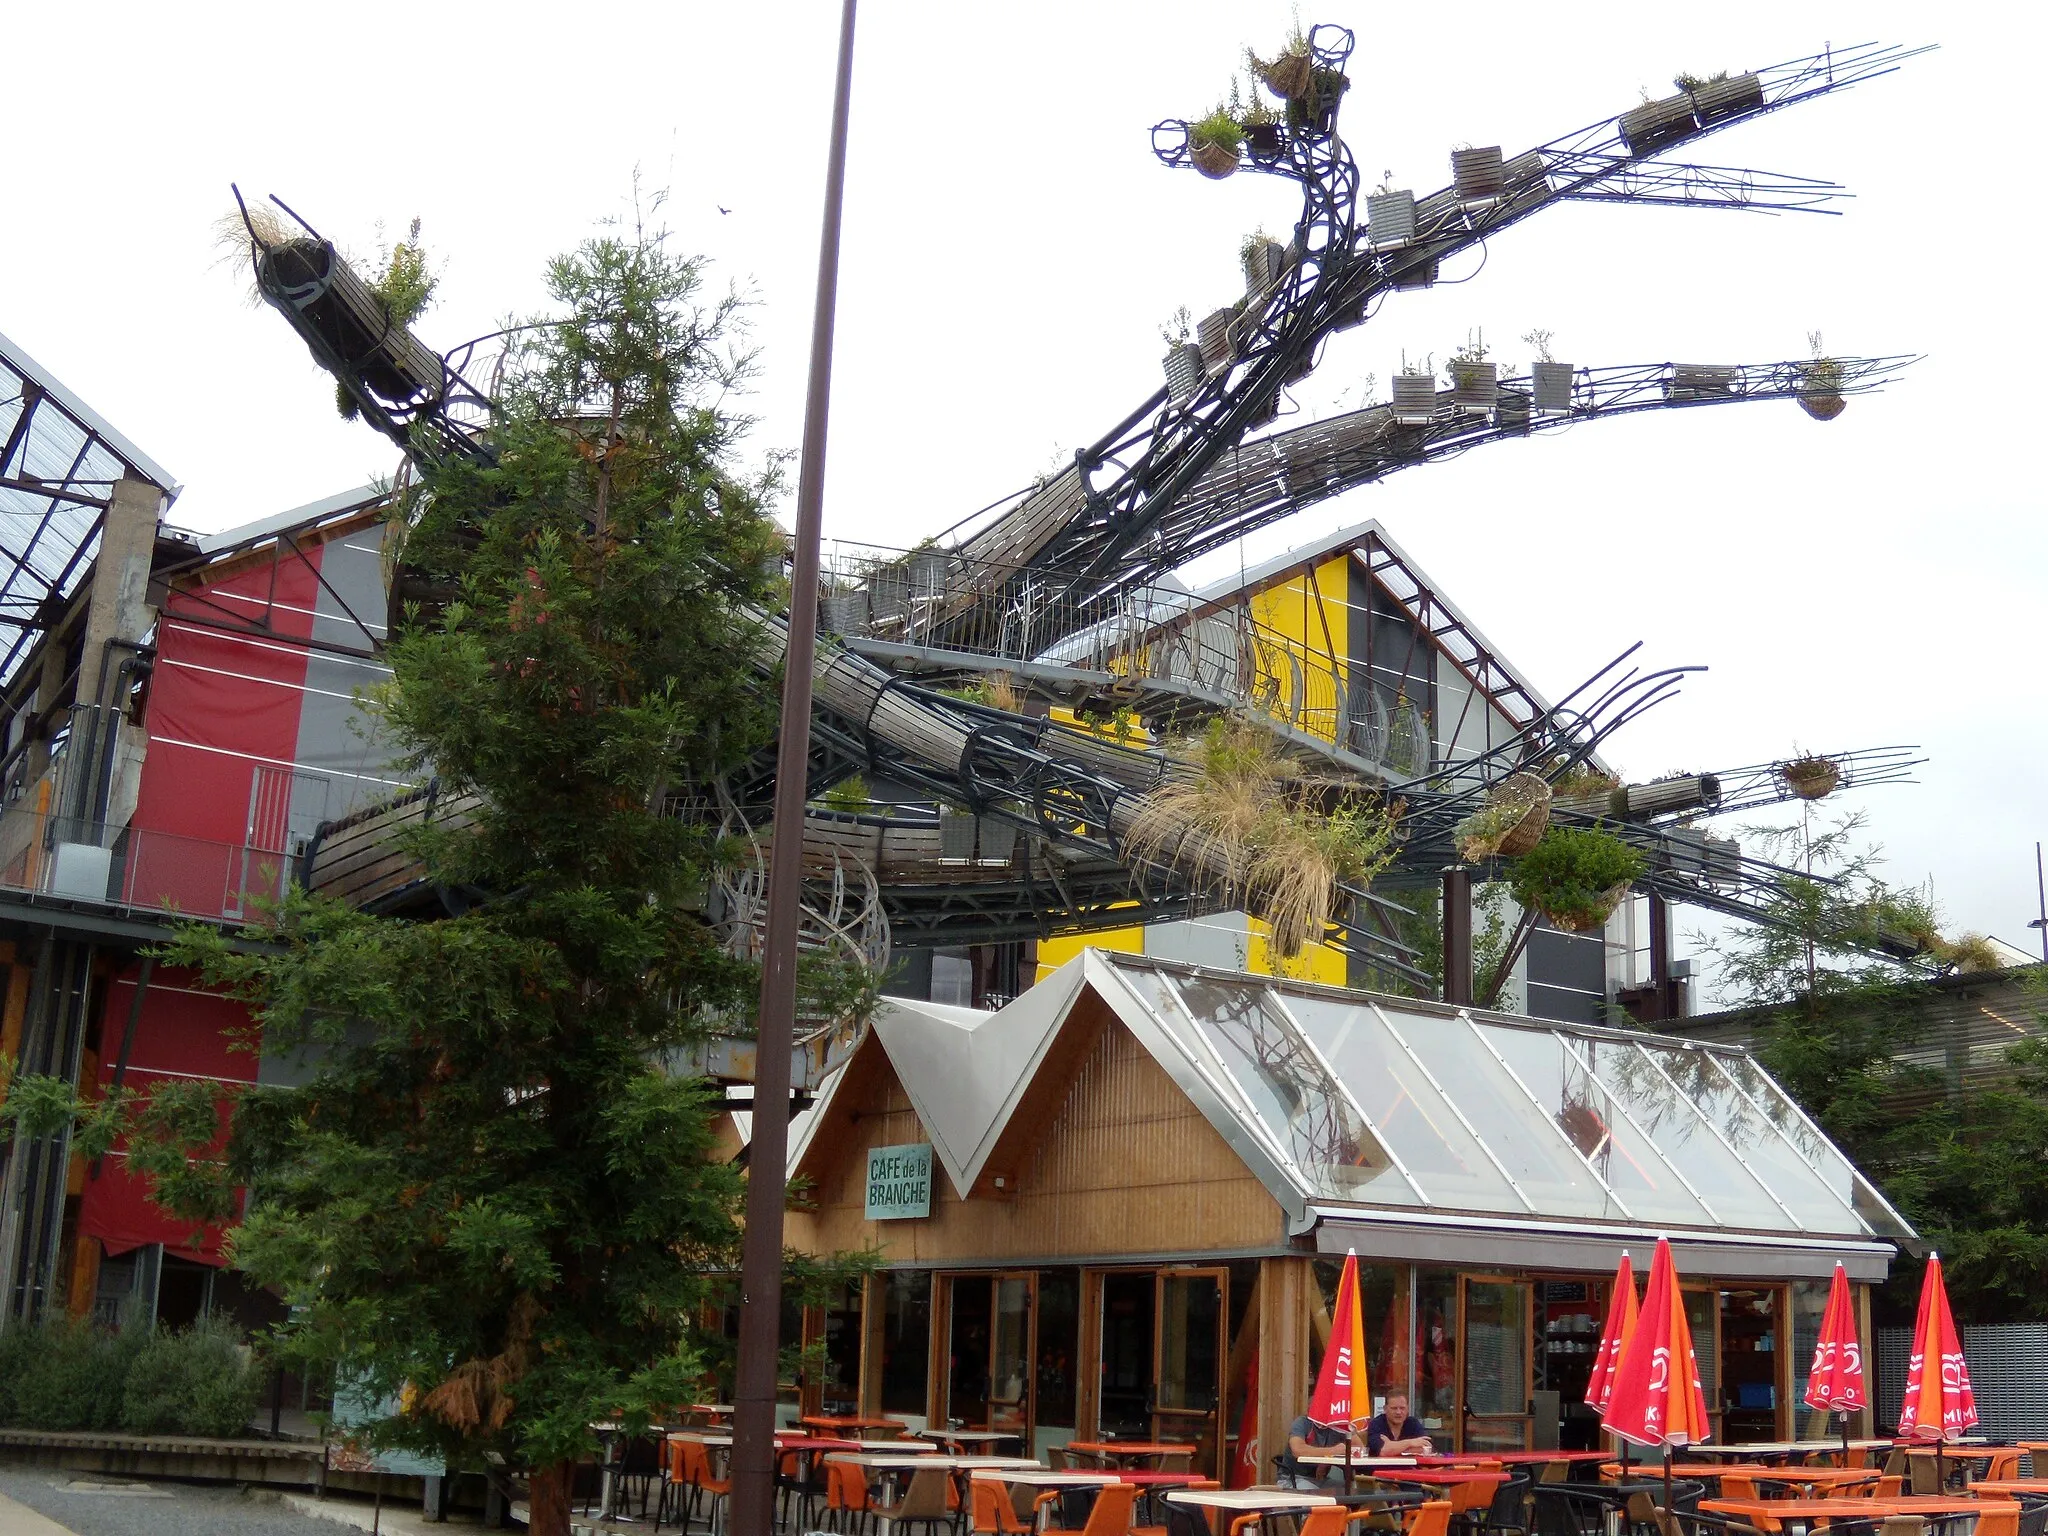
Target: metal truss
{"type": "Point", "coordinates": [58, 465]}
{"type": "Point", "coordinates": [1103, 521]}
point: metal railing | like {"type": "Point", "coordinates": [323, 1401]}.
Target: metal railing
{"type": "Point", "coordinates": [137, 867]}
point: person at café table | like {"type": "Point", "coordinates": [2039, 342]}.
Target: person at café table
{"type": "Point", "coordinates": [1394, 1432]}
{"type": "Point", "coordinates": [1305, 1436]}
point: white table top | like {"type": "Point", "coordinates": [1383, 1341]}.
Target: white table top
{"type": "Point", "coordinates": [930, 1458]}
{"type": "Point", "coordinates": [970, 1436]}
{"type": "Point", "coordinates": [721, 1439]}
{"type": "Point", "coordinates": [1046, 1477]}
{"type": "Point", "coordinates": [1246, 1499]}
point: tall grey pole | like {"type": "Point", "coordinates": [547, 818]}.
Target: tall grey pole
{"type": "Point", "coordinates": [753, 1446]}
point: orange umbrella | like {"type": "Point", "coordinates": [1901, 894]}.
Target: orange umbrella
{"type": "Point", "coordinates": [1341, 1388]}
{"type": "Point", "coordinates": [1835, 1384]}
{"type": "Point", "coordinates": [1656, 1397]}
{"type": "Point", "coordinates": [1621, 1323]}
{"type": "Point", "coordinates": [1939, 1404]}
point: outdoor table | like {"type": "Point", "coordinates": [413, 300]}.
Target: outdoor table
{"type": "Point", "coordinates": [1264, 1502]}
{"type": "Point", "coordinates": [1819, 1477]}
{"type": "Point", "coordinates": [1443, 1477]}
{"type": "Point", "coordinates": [968, 1436]}
{"type": "Point", "coordinates": [1361, 1465]}
{"type": "Point", "coordinates": [853, 1421]}
{"type": "Point", "coordinates": [1999, 1485]}
{"type": "Point", "coordinates": [1123, 1451]}
{"type": "Point", "coordinates": [1794, 1514]}
{"type": "Point", "coordinates": [714, 1411]}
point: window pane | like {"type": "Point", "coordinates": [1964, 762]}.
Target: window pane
{"type": "Point", "coordinates": [1553, 1068]}
{"type": "Point", "coordinates": [1531, 1148]}
{"type": "Point", "coordinates": [1834, 1170]}
{"type": "Point", "coordinates": [1782, 1170]}
{"type": "Point", "coordinates": [1436, 1351]}
{"type": "Point", "coordinates": [1059, 1339]}
{"type": "Point", "coordinates": [906, 1339]}
{"type": "Point", "coordinates": [1290, 1091]}
{"type": "Point", "coordinates": [1433, 1144]}
{"type": "Point", "coordinates": [1636, 1074]}
{"type": "Point", "coordinates": [842, 1353]}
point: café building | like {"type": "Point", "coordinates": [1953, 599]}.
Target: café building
{"type": "Point", "coordinates": [1117, 1207]}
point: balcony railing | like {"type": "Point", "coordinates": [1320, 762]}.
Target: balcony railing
{"type": "Point", "coordinates": [139, 868]}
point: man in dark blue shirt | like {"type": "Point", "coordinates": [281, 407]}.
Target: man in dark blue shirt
{"type": "Point", "coordinates": [1395, 1432]}
{"type": "Point", "coordinates": [1304, 1437]}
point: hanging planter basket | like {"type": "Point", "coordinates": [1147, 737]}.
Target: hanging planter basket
{"type": "Point", "coordinates": [1550, 386]}
{"type": "Point", "coordinates": [1656, 122]}
{"type": "Point", "coordinates": [1217, 346]}
{"type": "Point", "coordinates": [1716, 100]}
{"type": "Point", "coordinates": [1820, 389]}
{"type": "Point", "coordinates": [1586, 919]}
{"type": "Point", "coordinates": [1264, 265]}
{"type": "Point", "coordinates": [1288, 76]}
{"type": "Point", "coordinates": [1811, 778]}
{"type": "Point", "coordinates": [1213, 160]}
{"type": "Point", "coordinates": [1510, 823]}
{"type": "Point", "coordinates": [1823, 407]}
{"type": "Point", "coordinates": [1266, 141]}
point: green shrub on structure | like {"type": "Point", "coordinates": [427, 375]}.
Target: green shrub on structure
{"type": "Point", "coordinates": [193, 1382]}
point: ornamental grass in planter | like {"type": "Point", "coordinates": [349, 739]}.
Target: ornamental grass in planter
{"type": "Point", "coordinates": [1242, 821]}
{"type": "Point", "coordinates": [1289, 73]}
{"type": "Point", "coordinates": [1820, 383]}
{"type": "Point", "coordinates": [1511, 822]}
{"type": "Point", "coordinates": [1213, 144]}
{"type": "Point", "coordinates": [1575, 877]}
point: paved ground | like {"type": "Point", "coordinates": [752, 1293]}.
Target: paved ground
{"type": "Point", "coordinates": [90, 1505]}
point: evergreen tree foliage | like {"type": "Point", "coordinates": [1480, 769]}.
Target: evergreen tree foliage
{"type": "Point", "coordinates": [488, 1194]}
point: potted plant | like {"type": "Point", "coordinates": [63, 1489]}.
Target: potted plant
{"type": "Point", "coordinates": [1811, 777]}
{"type": "Point", "coordinates": [1655, 123]}
{"type": "Point", "coordinates": [1218, 346]}
{"type": "Point", "coordinates": [1264, 135]}
{"type": "Point", "coordinates": [1315, 110]}
{"type": "Point", "coordinates": [1820, 383]}
{"type": "Point", "coordinates": [1183, 357]}
{"type": "Point", "coordinates": [1718, 96]}
{"type": "Point", "coordinates": [1477, 174]}
{"type": "Point", "coordinates": [1414, 394]}
{"type": "Point", "coordinates": [1288, 74]}
{"type": "Point", "coordinates": [1213, 144]}
{"type": "Point", "coordinates": [1511, 822]}
{"type": "Point", "coordinates": [956, 833]}
{"type": "Point", "coordinates": [1550, 382]}
{"type": "Point", "coordinates": [1474, 381]}
{"type": "Point", "coordinates": [1575, 877]}
{"type": "Point", "coordinates": [1389, 214]}
{"type": "Point", "coordinates": [1264, 259]}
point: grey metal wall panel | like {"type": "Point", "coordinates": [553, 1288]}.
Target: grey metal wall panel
{"type": "Point", "coordinates": [2008, 1375]}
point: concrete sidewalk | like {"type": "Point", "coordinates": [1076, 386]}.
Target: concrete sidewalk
{"type": "Point", "coordinates": [20, 1520]}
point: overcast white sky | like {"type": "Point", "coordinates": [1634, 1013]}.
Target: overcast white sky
{"type": "Point", "coordinates": [1011, 247]}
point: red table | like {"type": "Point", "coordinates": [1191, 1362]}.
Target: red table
{"type": "Point", "coordinates": [1119, 1451]}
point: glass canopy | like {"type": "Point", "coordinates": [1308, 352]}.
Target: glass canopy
{"type": "Point", "coordinates": [1380, 1101]}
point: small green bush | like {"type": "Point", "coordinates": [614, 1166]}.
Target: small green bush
{"type": "Point", "coordinates": [68, 1375]}
{"type": "Point", "coordinates": [196, 1382]}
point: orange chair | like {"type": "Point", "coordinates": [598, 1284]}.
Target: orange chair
{"type": "Point", "coordinates": [1879, 1488]}
{"type": "Point", "coordinates": [1739, 1488]}
{"type": "Point", "coordinates": [994, 1513]}
{"type": "Point", "coordinates": [1431, 1519]}
{"type": "Point", "coordinates": [690, 1466]}
{"type": "Point", "coordinates": [2002, 1467]}
{"type": "Point", "coordinates": [1111, 1516]}
{"type": "Point", "coordinates": [846, 1498]}
{"type": "Point", "coordinates": [1996, 1522]}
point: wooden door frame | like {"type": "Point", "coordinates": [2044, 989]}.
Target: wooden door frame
{"type": "Point", "coordinates": [1464, 1354]}
{"type": "Point", "coordinates": [1221, 1274]}
{"type": "Point", "coordinates": [1088, 1394]}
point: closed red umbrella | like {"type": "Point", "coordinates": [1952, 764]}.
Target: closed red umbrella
{"type": "Point", "coordinates": [1939, 1404]}
{"type": "Point", "coordinates": [1621, 1322]}
{"type": "Point", "coordinates": [1656, 1397]}
{"type": "Point", "coordinates": [1835, 1383]}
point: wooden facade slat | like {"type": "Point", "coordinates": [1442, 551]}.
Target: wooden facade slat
{"type": "Point", "coordinates": [1121, 1165]}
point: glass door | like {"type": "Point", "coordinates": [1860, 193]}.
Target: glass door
{"type": "Point", "coordinates": [1493, 1404]}
{"type": "Point", "coordinates": [1192, 1316]}
{"type": "Point", "coordinates": [1703, 1318]}
{"type": "Point", "coordinates": [988, 1353]}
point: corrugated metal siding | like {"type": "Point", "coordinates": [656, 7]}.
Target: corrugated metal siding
{"type": "Point", "coordinates": [1965, 1025]}
{"type": "Point", "coordinates": [2008, 1374]}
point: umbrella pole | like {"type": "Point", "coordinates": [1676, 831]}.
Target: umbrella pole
{"type": "Point", "coordinates": [1667, 1474]}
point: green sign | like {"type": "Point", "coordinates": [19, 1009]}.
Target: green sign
{"type": "Point", "coordinates": [899, 1182]}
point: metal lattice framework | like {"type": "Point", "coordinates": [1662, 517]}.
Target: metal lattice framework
{"type": "Point", "coordinates": [58, 465]}
{"type": "Point", "coordinates": [1106, 521]}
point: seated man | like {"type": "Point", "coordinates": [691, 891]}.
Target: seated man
{"type": "Point", "coordinates": [1305, 1435]}
{"type": "Point", "coordinates": [1395, 1433]}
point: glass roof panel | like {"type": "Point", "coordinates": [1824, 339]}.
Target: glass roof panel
{"type": "Point", "coordinates": [1249, 1034]}
{"type": "Point", "coordinates": [1551, 1064]}
{"type": "Point", "coordinates": [1631, 1071]}
{"type": "Point", "coordinates": [1527, 1143]}
{"type": "Point", "coordinates": [1424, 1131]}
{"type": "Point", "coordinates": [1833, 1170]}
